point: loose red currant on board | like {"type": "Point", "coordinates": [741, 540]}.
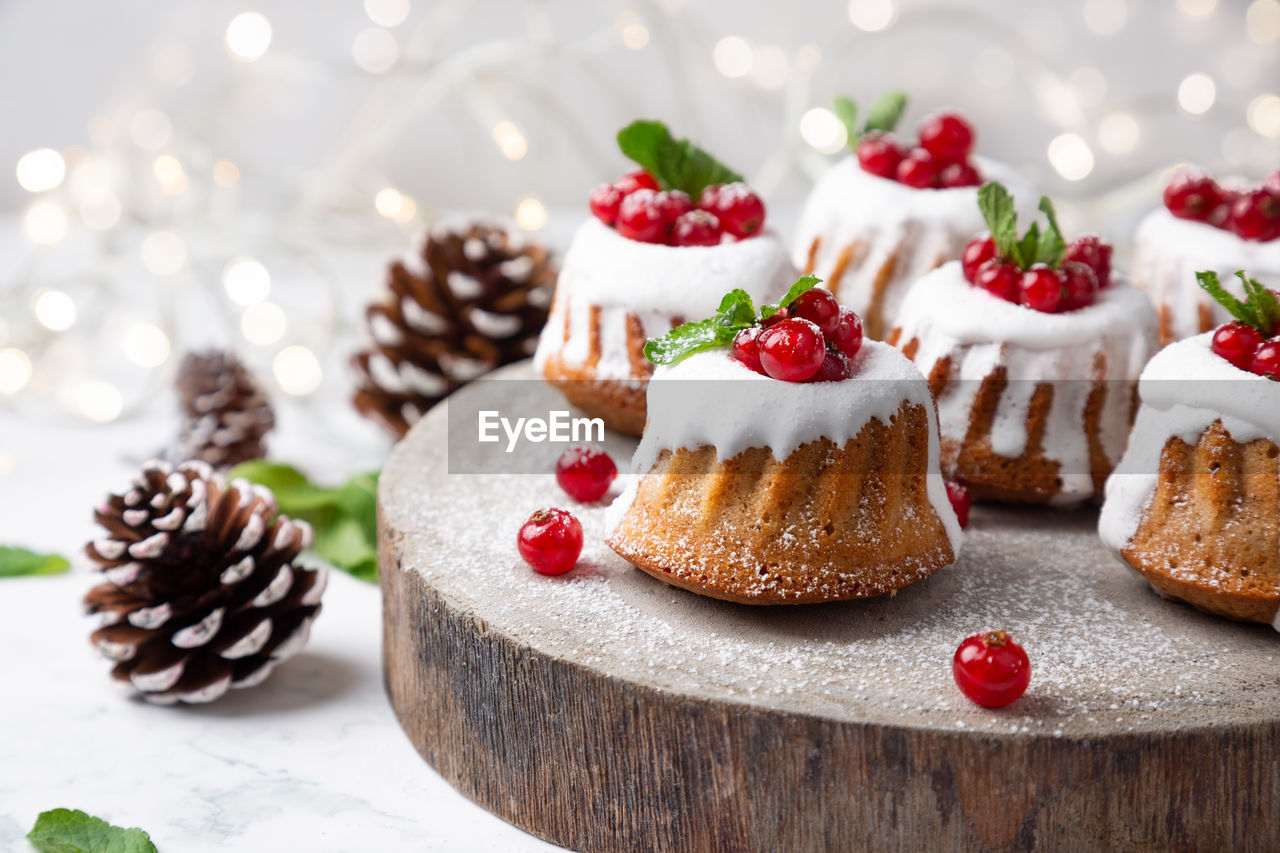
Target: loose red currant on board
{"type": "Point", "coordinates": [961, 501]}
{"type": "Point", "coordinates": [848, 334]}
{"type": "Point", "coordinates": [604, 202]}
{"type": "Point", "coordinates": [918, 169]}
{"type": "Point", "coordinates": [958, 175]}
{"type": "Point", "coordinates": [818, 307]}
{"type": "Point", "coordinates": [585, 473]}
{"type": "Point", "coordinates": [639, 218]}
{"type": "Point", "coordinates": [999, 278]}
{"type": "Point", "coordinates": [792, 350]}
{"type": "Point", "coordinates": [1255, 215]}
{"type": "Point", "coordinates": [836, 367]}
{"type": "Point", "coordinates": [947, 136]}
{"type": "Point", "coordinates": [879, 154]}
{"type": "Point", "coordinates": [637, 180]}
{"type": "Point", "coordinates": [740, 210]}
{"type": "Point", "coordinates": [1079, 285]}
{"type": "Point", "coordinates": [746, 347]}
{"type": "Point", "coordinates": [1266, 361]}
{"type": "Point", "coordinates": [1237, 343]}
{"type": "Point", "coordinates": [1040, 289]}
{"type": "Point", "coordinates": [976, 252]}
{"type": "Point", "coordinates": [550, 541]}
{"type": "Point", "coordinates": [696, 228]}
{"type": "Point", "coordinates": [991, 669]}
{"type": "Point", "coordinates": [1089, 250]}
{"type": "Point", "coordinates": [1192, 195]}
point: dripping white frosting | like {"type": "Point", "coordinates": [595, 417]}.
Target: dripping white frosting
{"type": "Point", "coordinates": [732, 408]}
{"type": "Point", "coordinates": [952, 319]}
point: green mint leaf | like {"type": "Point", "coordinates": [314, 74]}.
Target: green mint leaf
{"type": "Point", "coordinates": [804, 283]}
{"type": "Point", "coordinates": [846, 110]}
{"type": "Point", "coordinates": [885, 111]}
{"type": "Point", "coordinates": [683, 341]}
{"type": "Point", "coordinates": [17, 562]}
{"type": "Point", "coordinates": [1027, 246]}
{"type": "Point", "coordinates": [737, 309]}
{"type": "Point", "coordinates": [1001, 218]}
{"type": "Point", "coordinates": [1052, 248]}
{"type": "Point", "coordinates": [1209, 283]}
{"type": "Point", "coordinates": [674, 164]}
{"type": "Point", "coordinates": [67, 831]}
{"type": "Point", "coordinates": [1264, 303]}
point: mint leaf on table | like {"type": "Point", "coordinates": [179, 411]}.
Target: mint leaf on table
{"type": "Point", "coordinates": [344, 519]}
{"type": "Point", "coordinates": [1051, 248]}
{"type": "Point", "coordinates": [885, 112]}
{"type": "Point", "coordinates": [18, 562]}
{"type": "Point", "coordinates": [676, 164]}
{"type": "Point", "coordinates": [68, 831]}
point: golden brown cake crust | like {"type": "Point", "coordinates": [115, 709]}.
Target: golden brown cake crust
{"type": "Point", "coordinates": [1211, 535]}
{"type": "Point", "coordinates": [827, 523]}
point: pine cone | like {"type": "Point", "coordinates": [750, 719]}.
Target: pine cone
{"type": "Point", "coordinates": [201, 590]}
{"type": "Point", "coordinates": [227, 415]}
{"type": "Point", "coordinates": [478, 302]}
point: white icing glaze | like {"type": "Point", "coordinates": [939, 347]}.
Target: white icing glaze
{"type": "Point", "coordinates": [849, 206]}
{"type": "Point", "coordinates": [948, 316]}
{"type": "Point", "coordinates": [1168, 252]}
{"type": "Point", "coordinates": [1184, 389]}
{"type": "Point", "coordinates": [656, 283]}
{"type": "Point", "coordinates": [732, 408]}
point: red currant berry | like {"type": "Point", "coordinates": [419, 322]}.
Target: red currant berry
{"type": "Point", "coordinates": [792, 350]}
{"type": "Point", "coordinates": [740, 210]}
{"type": "Point", "coordinates": [696, 228]}
{"type": "Point", "coordinates": [640, 219]}
{"type": "Point", "coordinates": [1040, 289]}
{"type": "Point", "coordinates": [848, 334]}
{"type": "Point", "coordinates": [947, 136]}
{"type": "Point", "coordinates": [1192, 195]}
{"type": "Point", "coordinates": [673, 204]}
{"type": "Point", "coordinates": [1237, 342]}
{"type": "Point", "coordinates": [746, 347]}
{"type": "Point", "coordinates": [818, 307]}
{"type": "Point", "coordinates": [919, 169]}
{"type": "Point", "coordinates": [879, 154]}
{"type": "Point", "coordinates": [585, 473]}
{"type": "Point", "coordinates": [1255, 215]}
{"type": "Point", "coordinates": [775, 318]}
{"type": "Point", "coordinates": [836, 367]}
{"type": "Point", "coordinates": [637, 180]}
{"type": "Point", "coordinates": [1220, 216]}
{"type": "Point", "coordinates": [1272, 183]}
{"type": "Point", "coordinates": [961, 501]}
{"type": "Point", "coordinates": [999, 278]}
{"type": "Point", "coordinates": [976, 252]}
{"type": "Point", "coordinates": [991, 669]}
{"type": "Point", "coordinates": [1079, 285]}
{"type": "Point", "coordinates": [958, 175]}
{"type": "Point", "coordinates": [1266, 361]}
{"type": "Point", "coordinates": [605, 200]}
{"type": "Point", "coordinates": [1089, 250]}
{"type": "Point", "coordinates": [550, 541]}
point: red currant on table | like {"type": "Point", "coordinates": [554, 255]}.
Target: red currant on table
{"type": "Point", "coordinates": [1237, 342]}
{"type": "Point", "coordinates": [1040, 289]}
{"type": "Point", "coordinates": [792, 350]}
{"type": "Point", "coordinates": [919, 169]}
{"type": "Point", "coordinates": [1255, 215]}
{"type": "Point", "coordinates": [639, 218]}
{"type": "Point", "coordinates": [961, 501]}
{"type": "Point", "coordinates": [836, 367]}
{"type": "Point", "coordinates": [746, 347]}
{"type": "Point", "coordinates": [879, 154]}
{"type": "Point", "coordinates": [637, 180]}
{"type": "Point", "coordinates": [696, 228]}
{"type": "Point", "coordinates": [999, 278]}
{"type": "Point", "coordinates": [976, 252]}
{"type": "Point", "coordinates": [1192, 195]}
{"type": "Point", "coordinates": [958, 175]}
{"type": "Point", "coordinates": [1079, 285]}
{"type": "Point", "coordinates": [818, 307]}
{"type": "Point", "coordinates": [550, 541]}
{"type": "Point", "coordinates": [947, 136]}
{"type": "Point", "coordinates": [1089, 250]}
{"type": "Point", "coordinates": [848, 335]}
{"type": "Point", "coordinates": [605, 200]}
{"type": "Point", "coordinates": [585, 473]}
{"type": "Point", "coordinates": [991, 669]}
{"type": "Point", "coordinates": [740, 210]}
{"type": "Point", "coordinates": [1266, 361]}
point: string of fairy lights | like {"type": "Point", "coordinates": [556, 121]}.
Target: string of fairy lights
{"type": "Point", "coordinates": [147, 199]}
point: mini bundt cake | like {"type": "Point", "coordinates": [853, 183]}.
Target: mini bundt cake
{"type": "Point", "coordinates": [1194, 505]}
{"type": "Point", "coordinates": [884, 216]}
{"type": "Point", "coordinates": [1205, 226]}
{"type": "Point", "coordinates": [761, 490]}
{"type": "Point", "coordinates": [1033, 370]}
{"type": "Point", "coordinates": [649, 260]}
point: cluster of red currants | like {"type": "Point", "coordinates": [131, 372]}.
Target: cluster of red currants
{"type": "Point", "coordinates": [639, 210]}
{"type": "Point", "coordinates": [1252, 214]}
{"type": "Point", "coordinates": [939, 161]}
{"type": "Point", "coordinates": [550, 541]}
{"type": "Point", "coordinates": [813, 339]}
{"type": "Point", "coordinates": [1244, 346]}
{"type": "Point", "coordinates": [1084, 271]}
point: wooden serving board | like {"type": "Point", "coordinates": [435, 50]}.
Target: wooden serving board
{"type": "Point", "coordinates": [604, 710]}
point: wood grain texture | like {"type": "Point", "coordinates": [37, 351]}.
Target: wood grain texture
{"type": "Point", "coordinates": [596, 738]}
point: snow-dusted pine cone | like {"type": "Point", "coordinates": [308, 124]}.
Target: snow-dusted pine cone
{"type": "Point", "coordinates": [477, 301]}
{"type": "Point", "coordinates": [226, 414]}
{"type": "Point", "coordinates": [201, 592]}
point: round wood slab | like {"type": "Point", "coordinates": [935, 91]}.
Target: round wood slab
{"type": "Point", "coordinates": [604, 710]}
